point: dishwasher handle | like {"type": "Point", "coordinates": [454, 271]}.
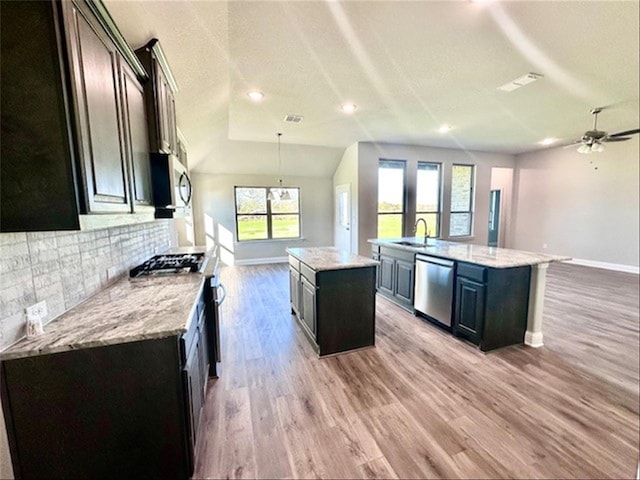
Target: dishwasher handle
{"type": "Point", "coordinates": [436, 260]}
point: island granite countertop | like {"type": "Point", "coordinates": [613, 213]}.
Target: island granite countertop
{"type": "Point", "coordinates": [330, 258]}
{"type": "Point", "coordinates": [493, 257]}
{"type": "Point", "coordinates": [129, 310]}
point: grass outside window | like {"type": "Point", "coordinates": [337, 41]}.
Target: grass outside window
{"type": "Point", "coordinates": [260, 218]}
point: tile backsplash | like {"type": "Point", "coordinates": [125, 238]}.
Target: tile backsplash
{"type": "Point", "coordinates": [64, 268]}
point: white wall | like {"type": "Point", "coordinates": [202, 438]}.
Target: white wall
{"type": "Point", "coordinates": [214, 212]}
{"type": "Point", "coordinates": [370, 153]}
{"type": "Point", "coordinates": [564, 202]}
{"type": "Point", "coordinates": [347, 173]}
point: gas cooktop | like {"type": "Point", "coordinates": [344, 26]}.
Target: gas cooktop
{"type": "Point", "coordinates": [169, 264]}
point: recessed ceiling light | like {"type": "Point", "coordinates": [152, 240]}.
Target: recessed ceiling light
{"type": "Point", "coordinates": [548, 141]}
{"type": "Point", "coordinates": [348, 107]}
{"type": "Point", "coordinates": [445, 128]}
{"type": "Point", "coordinates": [255, 95]}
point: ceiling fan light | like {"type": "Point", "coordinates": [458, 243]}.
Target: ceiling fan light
{"type": "Point", "coordinates": [584, 148]}
{"type": "Point", "coordinates": [597, 147]}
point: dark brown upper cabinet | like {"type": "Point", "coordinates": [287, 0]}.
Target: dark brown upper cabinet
{"type": "Point", "coordinates": [159, 96]}
{"type": "Point", "coordinates": [71, 117]}
{"type": "Point", "coordinates": [137, 140]}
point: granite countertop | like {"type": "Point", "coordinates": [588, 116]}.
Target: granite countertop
{"type": "Point", "coordinates": [129, 310]}
{"type": "Point", "coordinates": [330, 258]}
{"type": "Point", "coordinates": [478, 254]}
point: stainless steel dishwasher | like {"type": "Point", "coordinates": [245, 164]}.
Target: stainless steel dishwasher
{"type": "Point", "coordinates": [433, 294]}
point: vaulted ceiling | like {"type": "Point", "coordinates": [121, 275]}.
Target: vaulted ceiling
{"type": "Point", "coordinates": [408, 66]}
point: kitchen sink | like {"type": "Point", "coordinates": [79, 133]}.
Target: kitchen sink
{"type": "Point", "coordinates": [411, 244]}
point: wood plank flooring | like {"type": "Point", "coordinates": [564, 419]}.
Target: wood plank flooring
{"type": "Point", "coordinates": [423, 404]}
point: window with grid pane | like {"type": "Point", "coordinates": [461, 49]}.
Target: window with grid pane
{"type": "Point", "coordinates": [391, 179]}
{"type": "Point", "coordinates": [260, 218]}
{"type": "Point", "coordinates": [428, 185]}
{"type": "Point", "coordinates": [461, 220]}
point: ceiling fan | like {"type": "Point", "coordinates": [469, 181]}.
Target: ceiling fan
{"type": "Point", "coordinates": [593, 140]}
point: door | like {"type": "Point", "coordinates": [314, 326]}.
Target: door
{"type": "Point", "coordinates": [97, 92]}
{"type": "Point", "coordinates": [469, 316]}
{"type": "Point", "coordinates": [343, 217]}
{"type": "Point", "coordinates": [137, 139]}
{"type": "Point", "coordinates": [404, 281]}
{"type": "Point", "coordinates": [494, 218]}
{"type": "Point", "coordinates": [386, 270]}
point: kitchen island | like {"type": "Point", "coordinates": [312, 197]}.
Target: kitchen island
{"type": "Point", "coordinates": [333, 298]}
{"type": "Point", "coordinates": [114, 386]}
{"type": "Point", "coordinates": [491, 284]}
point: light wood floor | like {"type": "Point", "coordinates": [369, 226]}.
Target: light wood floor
{"type": "Point", "coordinates": [423, 404]}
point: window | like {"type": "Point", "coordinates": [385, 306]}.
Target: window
{"type": "Point", "coordinates": [461, 200]}
{"type": "Point", "coordinates": [258, 218]}
{"type": "Point", "coordinates": [428, 196]}
{"type": "Point", "coordinates": [390, 198]}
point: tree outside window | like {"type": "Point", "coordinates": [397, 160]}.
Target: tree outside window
{"type": "Point", "coordinates": [462, 180]}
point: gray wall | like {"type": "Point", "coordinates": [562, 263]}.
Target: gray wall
{"type": "Point", "coordinates": [64, 268]}
{"type": "Point", "coordinates": [214, 213]}
{"type": "Point", "coordinates": [370, 153]}
{"type": "Point", "coordinates": [563, 202]}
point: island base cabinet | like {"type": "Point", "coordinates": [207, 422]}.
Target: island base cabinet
{"type": "Point", "coordinates": [345, 309]}
{"type": "Point", "coordinates": [107, 412]}
{"type": "Point", "coordinates": [396, 275]}
{"type": "Point", "coordinates": [335, 308]}
{"type": "Point", "coordinates": [491, 305]}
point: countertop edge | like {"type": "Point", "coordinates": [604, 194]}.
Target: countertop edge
{"type": "Point", "coordinates": [95, 344]}
{"type": "Point", "coordinates": [366, 262]}
{"type": "Point", "coordinates": [429, 250]}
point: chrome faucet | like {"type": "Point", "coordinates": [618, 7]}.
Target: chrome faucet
{"type": "Point", "coordinates": [426, 229]}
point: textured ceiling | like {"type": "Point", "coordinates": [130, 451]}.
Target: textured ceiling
{"type": "Point", "coordinates": [409, 66]}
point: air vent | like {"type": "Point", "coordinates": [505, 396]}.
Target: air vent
{"type": "Point", "coordinates": [293, 118]}
{"type": "Point", "coordinates": [520, 82]}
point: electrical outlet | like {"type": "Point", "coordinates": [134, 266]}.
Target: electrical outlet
{"type": "Point", "coordinates": [37, 311]}
{"type": "Point", "coordinates": [112, 272]}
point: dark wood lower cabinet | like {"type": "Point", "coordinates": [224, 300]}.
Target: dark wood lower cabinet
{"type": "Point", "coordinates": [130, 410]}
{"type": "Point", "coordinates": [491, 305]}
{"type": "Point", "coordinates": [336, 308]}
{"type": "Point", "coordinates": [106, 412]}
{"type": "Point", "coordinates": [469, 308]}
{"type": "Point", "coordinates": [396, 275]}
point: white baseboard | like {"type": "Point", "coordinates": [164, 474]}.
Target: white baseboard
{"type": "Point", "coordinates": [261, 261]}
{"type": "Point", "coordinates": [607, 266]}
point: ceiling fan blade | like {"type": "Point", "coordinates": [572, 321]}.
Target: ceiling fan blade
{"type": "Point", "coordinates": [573, 144]}
{"type": "Point", "coordinates": [617, 139]}
{"type": "Point", "coordinates": [624, 134]}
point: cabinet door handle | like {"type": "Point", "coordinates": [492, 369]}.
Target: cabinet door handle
{"type": "Point", "coordinates": [224, 294]}
{"type": "Point", "coordinates": [185, 183]}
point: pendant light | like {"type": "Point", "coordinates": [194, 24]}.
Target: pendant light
{"type": "Point", "coordinates": [279, 193]}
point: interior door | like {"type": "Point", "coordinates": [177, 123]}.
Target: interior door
{"type": "Point", "coordinates": [494, 218]}
{"type": "Point", "coordinates": [343, 217]}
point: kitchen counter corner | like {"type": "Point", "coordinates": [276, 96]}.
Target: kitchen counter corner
{"type": "Point", "coordinates": [330, 258]}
